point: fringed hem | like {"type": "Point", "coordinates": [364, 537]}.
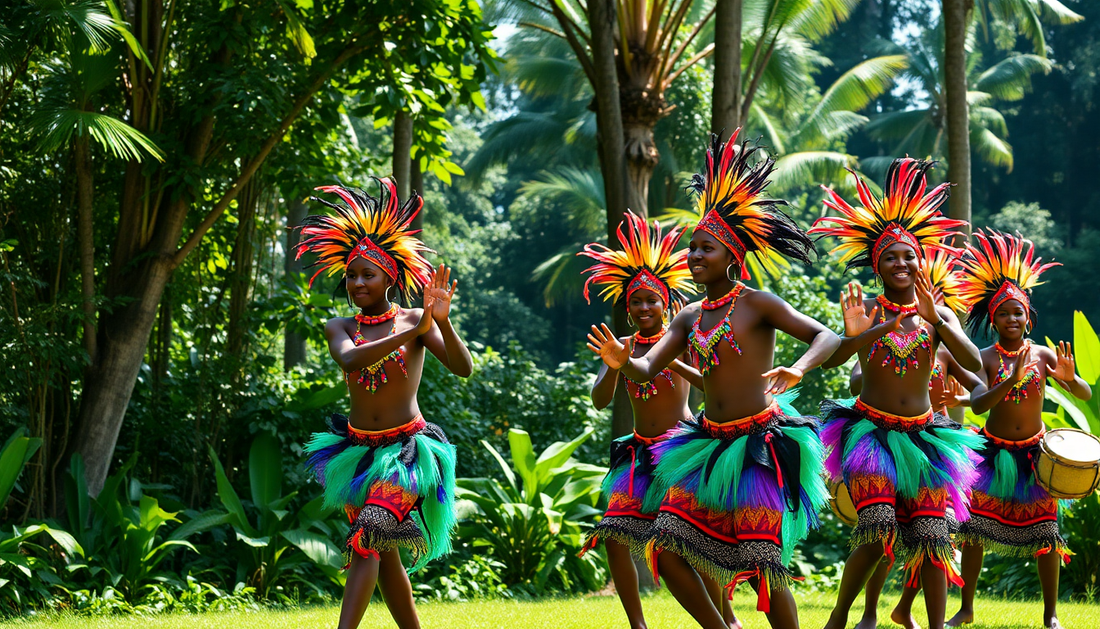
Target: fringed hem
{"type": "Point", "coordinates": [886, 533]}
{"type": "Point", "coordinates": [618, 529]}
{"type": "Point", "coordinates": [367, 543]}
{"type": "Point", "coordinates": [1017, 551]}
{"type": "Point", "coordinates": [771, 575]}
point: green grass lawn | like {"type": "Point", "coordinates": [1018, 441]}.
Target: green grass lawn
{"type": "Point", "coordinates": [593, 612]}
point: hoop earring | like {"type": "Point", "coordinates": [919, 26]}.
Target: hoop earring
{"type": "Point", "coordinates": [728, 273]}
{"type": "Point", "coordinates": [388, 292]}
{"type": "Point", "coordinates": [629, 321]}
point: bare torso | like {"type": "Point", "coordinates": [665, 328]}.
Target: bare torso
{"type": "Point", "coordinates": [394, 403]}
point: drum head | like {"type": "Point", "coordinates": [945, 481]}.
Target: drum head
{"type": "Point", "coordinates": [1072, 445]}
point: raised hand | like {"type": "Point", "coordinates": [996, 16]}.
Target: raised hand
{"type": "Point", "coordinates": [950, 396]}
{"type": "Point", "coordinates": [926, 297]}
{"type": "Point", "coordinates": [439, 292]}
{"type": "Point", "coordinates": [1022, 367]}
{"type": "Point", "coordinates": [856, 318]}
{"type": "Point", "coordinates": [604, 344]}
{"type": "Point", "coordinates": [1066, 370]}
{"type": "Point", "coordinates": [781, 378]}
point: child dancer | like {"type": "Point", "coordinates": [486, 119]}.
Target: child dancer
{"type": "Point", "coordinates": [390, 470]}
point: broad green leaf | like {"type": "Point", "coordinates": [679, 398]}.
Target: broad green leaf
{"type": "Point", "coordinates": [558, 453]}
{"type": "Point", "coordinates": [523, 459]}
{"type": "Point", "coordinates": [65, 541]}
{"type": "Point", "coordinates": [509, 475]}
{"type": "Point", "coordinates": [1060, 397]}
{"type": "Point", "coordinates": [200, 523]}
{"type": "Point", "coordinates": [1086, 349]}
{"type": "Point", "coordinates": [265, 469]}
{"type": "Point", "coordinates": [319, 550]}
{"type": "Point", "coordinates": [12, 461]}
{"type": "Point", "coordinates": [229, 498]}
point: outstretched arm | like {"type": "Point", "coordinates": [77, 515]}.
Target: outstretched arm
{"type": "Point", "coordinates": [859, 328]}
{"type": "Point", "coordinates": [959, 383]}
{"type": "Point", "coordinates": [352, 357]}
{"type": "Point", "coordinates": [781, 316]}
{"type": "Point", "coordinates": [443, 340]}
{"type": "Point", "coordinates": [645, 368]}
{"type": "Point", "coordinates": [983, 399]}
{"type": "Point", "coordinates": [1064, 372]}
{"type": "Point", "coordinates": [691, 374]}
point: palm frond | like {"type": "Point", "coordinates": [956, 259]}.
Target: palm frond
{"type": "Point", "coordinates": [578, 192]}
{"type": "Point", "coordinates": [988, 118]}
{"type": "Point", "coordinates": [56, 128]}
{"type": "Point", "coordinates": [991, 148]}
{"type": "Point", "coordinates": [1010, 78]}
{"type": "Point", "coordinates": [798, 170]}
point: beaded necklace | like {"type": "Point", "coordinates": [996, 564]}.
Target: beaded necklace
{"type": "Point", "coordinates": [646, 390]}
{"type": "Point", "coordinates": [703, 346]}
{"type": "Point", "coordinates": [375, 375]}
{"type": "Point", "coordinates": [901, 347]}
{"type": "Point", "coordinates": [1018, 392]}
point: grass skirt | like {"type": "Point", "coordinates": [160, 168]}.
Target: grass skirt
{"type": "Point", "coordinates": [902, 473]}
{"type": "Point", "coordinates": [627, 486]}
{"type": "Point", "coordinates": [1011, 514]}
{"type": "Point", "coordinates": [397, 486]}
{"type": "Point", "coordinates": [736, 497]}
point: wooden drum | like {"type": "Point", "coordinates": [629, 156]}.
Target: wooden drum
{"type": "Point", "coordinates": [841, 503]}
{"type": "Point", "coordinates": [1068, 465]}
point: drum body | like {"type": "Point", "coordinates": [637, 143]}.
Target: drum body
{"type": "Point", "coordinates": [1068, 466]}
{"type": "Point", "coordinates": [840, 502]}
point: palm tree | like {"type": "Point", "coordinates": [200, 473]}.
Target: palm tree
{"type": "Point", "coordinates": [83, 61]}
{"type": "Point", "coordinates": [1025, 17]}
{"type": "Point", "coordinates": [923, 131]}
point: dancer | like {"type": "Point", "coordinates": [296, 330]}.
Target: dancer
{"type": "Point", "coordinates": [390, 470]}
{"type": "Point", "coordinates": [1010, 513]}
{"type": "Point", "coordinates": [945, 393]}
{"type": "Point", "coordinates": [900, 460]}
{"type": "Point", "coordinates": [646, 276]}
{"type": "Point", "coordinates": [744, 481]}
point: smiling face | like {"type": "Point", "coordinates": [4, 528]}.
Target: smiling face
{"type": "Point", "coordinates": [1010, 320]}
{"type": "Point", "coordinates": [646, 309]}
{"type": "Point", "coordinates": [708, 259]}
{"type": "Point", "coordinates": [366, 284]}
{"type": "Point", "coordinates": [898, 266]}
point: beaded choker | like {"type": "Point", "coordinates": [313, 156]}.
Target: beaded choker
{"type": "Point", "coordinates": [703, 346]}
{"type": "Point", "coordinates": [374, 376]}
{"type": "Point", "coordinates": [1018, 392]}
{"type": "Point", "coordinates": [362, 319]}
{"type": "Point", "coordinates": [901, 309]}
{"type": "Point", "coordinates": [648, 340]}
{"type": "Point", "coordinates": [725, 299]}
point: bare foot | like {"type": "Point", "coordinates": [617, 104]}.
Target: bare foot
{"type": "Point", "coordinates": [869, 621]}
{"type": "Point", "coordinates": [1053, 623]}
{"type": "Point", "coordinates": [905, 620]}
{"type": "Point", "coordinates": [964, 617]}
{"type": "Point", "coordinates": [736, 624]}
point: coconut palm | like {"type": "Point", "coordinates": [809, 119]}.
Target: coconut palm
{"type": "Point", "coordinates": [1025, 17]}
{"type": "Point", "coordinates": [923, 131]}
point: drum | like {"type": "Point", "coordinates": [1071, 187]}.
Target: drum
{"type": "Point", "coordinates": [1068, 465]}
{"type": "Point", "coordinates": [841, 503]}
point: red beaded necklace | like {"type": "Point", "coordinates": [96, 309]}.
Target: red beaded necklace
{"type": "Point", "coordinates": [724, 300]}
{"type": "Point", "coordinates": [362, 319]}
{"type": "Point", "coordinates": [1009, 354]}
{"type": "Point", "coordinates": [648, 340]}
{"type": "Point", "coordinates": [901, 309]}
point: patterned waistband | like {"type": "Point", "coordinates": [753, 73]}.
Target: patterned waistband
{"type": "Point", "coordinates": [1008, 444]}
{"type": "Point", "coordinates": [387, 436]}
{"type": "Point", "coordinates": [889, 421]}
{"type": "Point", "coordinates": [745, 425]}
{"type": "Point", "coordinates": [652, 440]}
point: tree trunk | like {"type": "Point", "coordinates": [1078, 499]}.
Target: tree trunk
{"type": "Point", "coordinates": [958, 115]}
{"type": "Point", "coordinates": [610, 142]}
{"type": "Point", "coordinates": [294, 344]}
{"type": "Point", "coordinates": [85, 195]}
{"type": "Point", "coordinates": [725, 109]}
{"type": "Point", "coordinates": [240, 284]}
{"type": "Point", "coordinates": [416, 183]}
{"type": "Point", "coordinates": [402, 150]}
{"type": "Point", "coordinates": [641, 159]}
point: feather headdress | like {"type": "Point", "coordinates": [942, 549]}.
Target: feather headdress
{"type": "Point", "coordinates": [995, 268]}
{"type": "Point", "coordinates": [735, 211]}
{"type": "Point", "coordinates": [375, 228]}
{"type": "Point", "coordinates": [905, 214]}
{"type": "Point", "coordinates": [646, 260]}
{"type": "Point", "coordinates": [944, 275]}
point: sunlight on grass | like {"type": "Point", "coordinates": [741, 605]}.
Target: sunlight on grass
{"type": "Point", "coordinates": [593, 612]}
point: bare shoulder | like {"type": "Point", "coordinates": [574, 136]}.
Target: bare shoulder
{"type": "Point", "coordinates": [760, 298]}
{"type": "Point", "coordinates": [687, 315]}
{"type": "Point", "coordinates": [337, 324]}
